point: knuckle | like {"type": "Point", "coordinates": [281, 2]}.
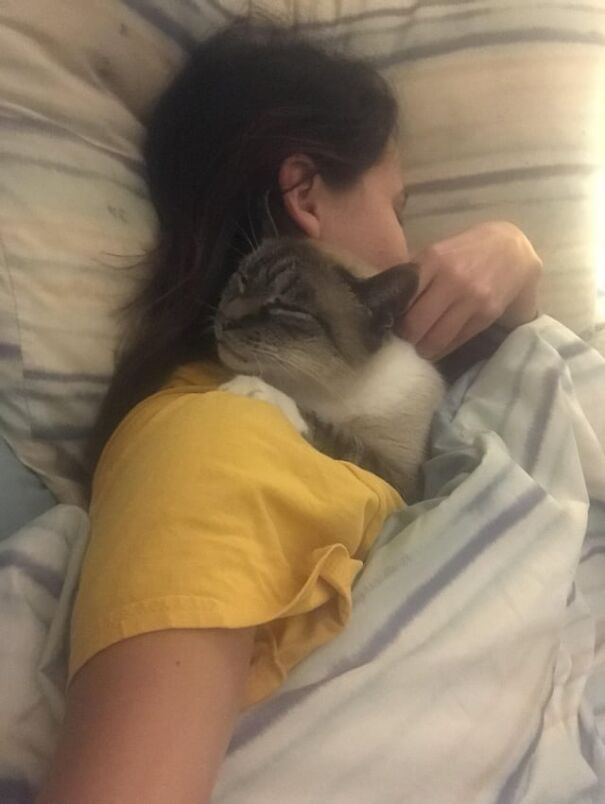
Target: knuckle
{"type": "Point", "coordinates": [538, 266]}
{"type": "Point", "coordinates": [492, 309]}
{"type": "Point", "coordinates": [459, 276]}
{"type": "Point", "coordinates": [432, 250]}
{"type": "Point", "coordinates": [434, 257]}
{"type": "Point", "coordinates": [484, 297]}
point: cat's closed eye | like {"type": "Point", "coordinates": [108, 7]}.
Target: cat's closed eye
{"type": "Point", "coordinates": [300, 314]}
{"type": "Point", "coordinates": [278, 307]}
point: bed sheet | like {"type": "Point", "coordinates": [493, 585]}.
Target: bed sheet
{"type": "Point", "coordinates": [472, 670]}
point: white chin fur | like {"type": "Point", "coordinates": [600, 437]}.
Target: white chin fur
{"type": "Point", "coordinates": [395, 373]}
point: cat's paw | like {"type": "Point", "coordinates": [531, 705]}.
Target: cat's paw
{"type": "Point", "coordinates": [255, 388]}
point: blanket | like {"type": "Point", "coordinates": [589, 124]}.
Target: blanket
{"type": "Point", "coordinates": [472, 669]}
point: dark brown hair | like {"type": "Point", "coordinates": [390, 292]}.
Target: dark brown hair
{"type": "Point", "coordinates": [250, 95]}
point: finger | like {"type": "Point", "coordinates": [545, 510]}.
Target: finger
{"type": "Point", "coordinates": [446, 331]}
{"type": "Point", "coordinates": [473, 327]}
{"type": "Point", "coordinates": [425, 311]}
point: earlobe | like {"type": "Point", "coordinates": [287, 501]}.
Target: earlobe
{"type": "Point", "coordinates": [298, 180]}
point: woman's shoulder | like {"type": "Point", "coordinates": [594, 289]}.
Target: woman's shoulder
{"type": "Point", "coordinates": [192, 428]}
{"type": "Point", "coordinates": [191, 421]}
{"type": "Point", "coordinates": [194, 401]}
{"type": "Point", "coordinates": [186, 382]}
{"type": "Point", "coordinates": [196, 376]}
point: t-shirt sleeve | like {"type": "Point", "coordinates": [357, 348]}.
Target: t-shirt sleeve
{"type": "Point", "coordinates": [210, 510]}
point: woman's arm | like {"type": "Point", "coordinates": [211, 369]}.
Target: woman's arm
{"type": "Point", "coordinates": [149, 719]}
{"type": "Point", "coordinates": [485, 274]}
{"type": "Point", "coordinates": [524, 307]}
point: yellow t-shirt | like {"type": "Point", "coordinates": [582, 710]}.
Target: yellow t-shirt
{"type": "Point", "coordinates": [209, 510]}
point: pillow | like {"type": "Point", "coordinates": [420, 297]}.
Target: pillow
{"type": "Point", "coordinates": [500, 109]}
{"type": "Point", "coordinates": [502, 119]}
{"type": "Point", "coordinates": [73, 214]}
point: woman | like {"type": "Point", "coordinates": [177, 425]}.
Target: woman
{"type": "Point", "coordinates": [223, 547]}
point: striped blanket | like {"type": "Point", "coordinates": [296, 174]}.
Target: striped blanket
{"type": "Point", "coordinates": [472, 669]}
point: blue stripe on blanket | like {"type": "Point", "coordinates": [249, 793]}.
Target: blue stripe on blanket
{"type": "Point", "coordinates": [538, 429]}
{"type": "Point", "coordinates": [515, 784]}
{"type": "Point", "coordinates": [44, 576]}
{"type": "Point", "coordinates": [402, 615]}
{"type": "Point", "coordinates": [473, 615]}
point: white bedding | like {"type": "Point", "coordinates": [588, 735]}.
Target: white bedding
{"type": "Point", "coordinates": [472, 669]}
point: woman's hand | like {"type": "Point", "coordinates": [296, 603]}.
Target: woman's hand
{"type": "Point", "coordinates": [487, 273]}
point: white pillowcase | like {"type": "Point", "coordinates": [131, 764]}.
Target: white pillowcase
{"type": "Point", "coordinates": [501, 110]}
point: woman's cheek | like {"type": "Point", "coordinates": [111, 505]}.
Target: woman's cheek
{"type": "Point", "coordinates": [392, 248]}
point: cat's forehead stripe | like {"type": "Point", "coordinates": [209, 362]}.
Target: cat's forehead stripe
{"type": "Point", "coordinates": [278, 272]}
{"type": "Point", "coordinates": [289, 282]}
{"type": "Point", "coordinates": [273, 269]}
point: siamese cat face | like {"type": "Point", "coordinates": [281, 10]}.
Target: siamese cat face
{"type": "Point", "coordinates": [293, 311]}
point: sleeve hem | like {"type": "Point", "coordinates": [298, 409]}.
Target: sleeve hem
{"type": "Point", "coordinates": [330, 580]}
{"type": "Point", "coordinates": [144, 617]}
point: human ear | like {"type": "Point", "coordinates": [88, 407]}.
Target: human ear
{"type": "Point", "coordinates": [298, 181]}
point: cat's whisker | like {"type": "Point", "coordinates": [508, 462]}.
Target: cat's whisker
{"type": "Point", "coordinates": [288, 368]}
{"type": "Point", "coordinates": [239, 252]}
{"type": "Point", "coordinates": [250, 240]}
{"type": "Point", "coordinates": [301, 366]}
{"type": "Point", "coordinates": [247, 239]}
{"type": "Point", "coordinates": [252, 233]}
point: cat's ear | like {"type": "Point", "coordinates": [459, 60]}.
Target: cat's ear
{"type": "Point", "coordinates": [388, 293]}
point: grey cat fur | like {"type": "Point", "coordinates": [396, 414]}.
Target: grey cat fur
{"type": "Point", "coordinates": [297, 317]}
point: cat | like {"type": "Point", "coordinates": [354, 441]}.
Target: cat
{"type": "Point", "coordinates": [302, 331]}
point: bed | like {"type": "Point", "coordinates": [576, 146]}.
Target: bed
{"type": "Point", "coordinates": [473, 667]}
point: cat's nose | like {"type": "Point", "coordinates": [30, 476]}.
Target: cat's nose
{"type": "Point", "coordinates": [222, 324]}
